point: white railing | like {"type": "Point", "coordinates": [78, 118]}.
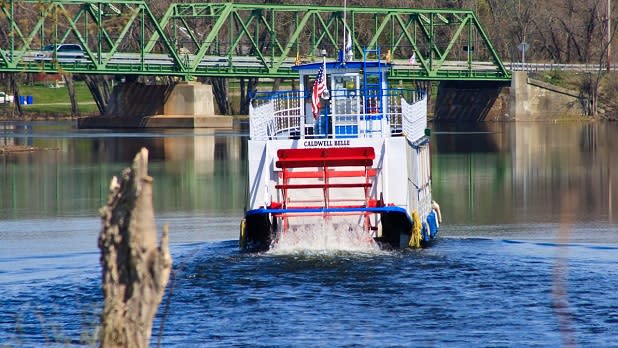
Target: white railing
{"type": "Point", "coordinates": [275, 116]}
{"type": "Point", "coordinates": [261, 121]}
{"type": "Point", "coordinates": [281, 116]}
{"type": "Point", "coordinates": [414, 118]}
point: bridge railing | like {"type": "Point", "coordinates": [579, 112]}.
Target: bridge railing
{"type": "Point", "coordinates": [533, 67]}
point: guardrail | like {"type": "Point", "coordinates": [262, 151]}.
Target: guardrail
{"type": "Point", "coordinates": [533, 67]}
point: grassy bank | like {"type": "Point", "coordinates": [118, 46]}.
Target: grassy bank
{"type": "Point", "coordinates": [51, 101]}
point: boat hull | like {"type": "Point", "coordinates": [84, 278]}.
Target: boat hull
{"type": "Point", "coordinates": [261, 228]}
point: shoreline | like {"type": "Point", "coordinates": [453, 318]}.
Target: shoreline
{"type": "Point", "coordinates": [27, 117]}
{"type": "Point", "coordinates": [37, 116]}
{"type": "Point", "coordinates": [10, 149]}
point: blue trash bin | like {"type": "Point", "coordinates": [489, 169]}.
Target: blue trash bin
{"type": "Point", "coordinates": [22, 100]}
{"type": "Point", "coordinates": [29, 100]}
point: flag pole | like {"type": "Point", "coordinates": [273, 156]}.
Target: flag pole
{"type": "Point", "coordinates": [325, 94]}
{"type": "Point", "coordinates": [345, 19]}
{"type": "Point", "coordinates": [345, 13]}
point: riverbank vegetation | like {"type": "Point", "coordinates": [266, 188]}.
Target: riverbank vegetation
{"type": "Point", "coordinates": [605, 103]}
{"type": "Point", "coordinates": [49, 101]}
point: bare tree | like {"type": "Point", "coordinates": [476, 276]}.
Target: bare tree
{"type": "Point", "coordinates": [220, 91]}
{"type": "Point", "coordinates": [68, 81]}
{"type": "Point", "coordinates": [15, 90]}
{"type": "Point", "coordinates": [101, 90]}
{"type": "Point", "coordinates": [591, 81]}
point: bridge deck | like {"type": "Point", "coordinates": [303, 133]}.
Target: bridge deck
{"type": "Point", "coordinates": [241, 40]}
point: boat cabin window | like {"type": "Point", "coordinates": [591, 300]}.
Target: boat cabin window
{"type": "Point", "coordinates": [345, 94]}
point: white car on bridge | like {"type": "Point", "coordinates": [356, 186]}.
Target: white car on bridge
{"type": "Point", "coordinates": [63, 53]}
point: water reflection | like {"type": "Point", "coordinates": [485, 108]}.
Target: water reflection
{"type": "Point", "coordinates": [483, 174]}
{"type": "Point", "coordinates": [194, 170]}
{"type": "Point", "coordinates": [519, 172]}
{"type": "Point", "coordinates": [471, 138]}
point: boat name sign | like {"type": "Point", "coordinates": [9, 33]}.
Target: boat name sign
{"type": "Point", "coordinates": [326, 143]}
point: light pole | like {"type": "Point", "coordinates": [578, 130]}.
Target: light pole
{"type": "Point", "coordinates": [609, 35]}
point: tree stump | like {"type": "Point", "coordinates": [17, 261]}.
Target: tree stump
{"type": "Point", "coordinates": [135, 269]}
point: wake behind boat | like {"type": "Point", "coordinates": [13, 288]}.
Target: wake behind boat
{"type": "Point", "coordinates": [346, 150]}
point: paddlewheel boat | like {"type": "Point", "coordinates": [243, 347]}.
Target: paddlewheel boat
{"type": "Point", "coordinates": [347, 150]}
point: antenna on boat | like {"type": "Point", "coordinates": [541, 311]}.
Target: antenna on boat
{"type": "Point", "coordinates": [326, 93]}
{"type": "Point", "coordinates": [346, 54]}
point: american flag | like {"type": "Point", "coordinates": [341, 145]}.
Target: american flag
{"type": "Point", "coordinates": [319, 86]}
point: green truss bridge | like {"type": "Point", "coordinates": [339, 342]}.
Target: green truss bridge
{"type": "Point", "coordinates": [187, 40]}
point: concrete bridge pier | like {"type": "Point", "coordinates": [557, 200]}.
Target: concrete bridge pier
{"type": "Point", "coordinates": [135, 105]}
{"type": "Point", "coordinates": [525, 99]}
{"type": "Point", "coordinates": [537, 100]}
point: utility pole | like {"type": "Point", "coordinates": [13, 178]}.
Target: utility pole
{"type": "Point", "coordinates": [609, 34]}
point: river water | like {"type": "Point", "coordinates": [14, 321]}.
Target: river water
{"type": "Point", "coordinates": [527, 254]}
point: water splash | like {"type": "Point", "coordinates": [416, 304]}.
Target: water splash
{"type": "Point", "coordinates": [324, 237]}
